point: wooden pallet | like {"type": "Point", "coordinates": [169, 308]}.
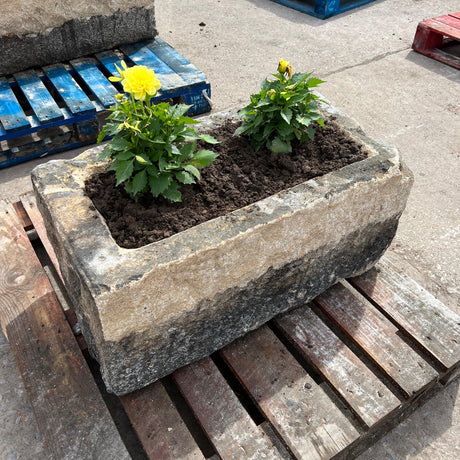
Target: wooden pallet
{"type": "Point", "coordinates": [323, 381]}
{"type": "Point", "coordinates": [437, 37]}
{"type": "Point", "coordinates": [63, 106]}
{"type": "Point", "coordinates": [323, 8]}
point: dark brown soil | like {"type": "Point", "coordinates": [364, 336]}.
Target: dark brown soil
{"type": "Point", "coordinates": [237, 178]}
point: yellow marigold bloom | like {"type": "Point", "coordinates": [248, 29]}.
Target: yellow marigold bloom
{"type": "Point", "coordinates": [282, 66]}
{"type": "Point", "coordinates": [140, 81]}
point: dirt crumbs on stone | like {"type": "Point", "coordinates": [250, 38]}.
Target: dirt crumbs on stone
{"type": "Point", "coordinates": [237, 178]}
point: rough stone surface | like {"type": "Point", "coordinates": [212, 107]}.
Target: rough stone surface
{"type": "Point", "coordinates": [36, 33]}
{"type": "Point", "coordinates": [150, 310]}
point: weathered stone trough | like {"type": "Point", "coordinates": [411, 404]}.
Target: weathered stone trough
{"type": "Point", "coordinates": [145, 312]}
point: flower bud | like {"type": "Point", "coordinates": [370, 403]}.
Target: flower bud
{"type": "Point", "coordinates": [282, 66]}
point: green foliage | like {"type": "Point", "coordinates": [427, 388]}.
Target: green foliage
{"type": "Point", "coordinates": [153, 149]}
{"type": "Point", "coordinates": [282, 111]}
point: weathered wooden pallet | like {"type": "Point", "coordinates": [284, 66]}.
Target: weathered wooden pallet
{"type": "Point", "coordinates": [436, 37]}
{"type": "Point", "coordinates": [323, 8]}
{"type": "Point", "coordinates": [63, 106]}
{"type": "Point", "coordinates": [322, 381]}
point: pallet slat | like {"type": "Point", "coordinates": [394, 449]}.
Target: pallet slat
{"type": "Point", "coordinates": [39, 98]}
{"type": "Point", "coordinates": [55, 374]}
{"type": "Point", "coordinates": [159, 426]}
{"type": "Point", "coordinates": [12, 116]}
{"type": "Point", "coordinates": [415, 310]}
{"type": "Point", "coordinates": [381, 344]}
{"type": "Point", "coordinates": [140, 54]}
{"type": "Point", "coordinates": [73, 96]}
{"type": "Point", "coordinates": [96, 81]}
{"type": "Point", "coordinates": [311, 425]}
{"type": "Point", "coordinates": [370, 399]}
{"type": "Point", "coordinates": [29, 204]}
{"type": "Point", "coordinates": [188, 72]}
{"type": "Point", "coordinates": [228, 426]}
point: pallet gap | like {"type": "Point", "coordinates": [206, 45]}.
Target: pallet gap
{"type": "Point", "coordinates": [405, 335]}
{"type": "Point", "coordinates": [125, 429]}
{"type": "Point", "coordinates": [186, 413]}
{"type": "Point", "coordinates": [367, 361]}
{"type": "Point", "coordinates": [237, 388]}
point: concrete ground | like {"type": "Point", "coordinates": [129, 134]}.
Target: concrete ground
{"type": "Point", "coordinates": [371, 74]}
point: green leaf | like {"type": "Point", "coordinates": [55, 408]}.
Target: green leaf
{"type": "Point", "coordinates": [143, 160]}
{"type": "Point", "coordinates": [184, 177]}
{"type": "Point", "coordinates": [311, 132]}
{"type": "Point", "coordinates": [105, 153]}
{"type": "Point", "coordinates": [209, 139]}
{"type": "Point", "coordinates": [102, 134]}
{"type": "Point", "coordinates": [119, 143]}
{"type": "Point", "coordinates": [139, 182]}
{"type": "Point", "coordinates": [279, 146]}
{"type": "Point", "coordinates": [286, 114]}
{"type": "Point", "coordinates": [313, 82]}
{"type": "Point", "coordinates": [192, 170]}
{"type": "Point", "coordinates": [178, 110]}
{"type": "Point", "coordinates": [172, 192]}
{"type": "Point", "coordinates": [124, 171]}
{"type": "Point", "coordinates": [203, 158]}
{"type": "Point", "coordinates": [124, 155]}
{"type": "Point", "coordinates": [160, 183]}
{"type": "Point", "coordinates": [186, 151]}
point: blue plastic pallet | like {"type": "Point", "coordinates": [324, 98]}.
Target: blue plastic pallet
{"type": "Point", "coordinates": [63, 106]}
{"type": "Point", "coordinates": [323, 8]}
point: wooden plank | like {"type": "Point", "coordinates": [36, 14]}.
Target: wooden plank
{"type": "Point", "coordinates": [159, 426]}
{"type": "Point", "coordinates": [300, 411]}
{"type": "Point", "coordinates": [30, 206]}
{"type": "Point", "coordinates": [188, 72]}
{"type": "Point", "coordinates": [108, 60]}
{"type": "Point", "coordinates": [418, 313]}
{"type": "Point", "coordinates": [452, 23]}
{"type": "Point", "coordinates": [39, 98]}
{"type": "Point", "coordinates": [140, 54]}
{"type": "Point", "coordinates": [96, 81]}
{"type": "Point", "coordinates": [227, 424]}
{"type": "Point", "coordinates": [377, 340]}
{"type": "Point", "coordinates": [11, 114]}
{"type": "Point", "coordinates": [73, 96]}
{"type": "Point", "coordinates": [23, 216]}
{"type": "Point", "coordinates": [71, 415]}
{"type": "Point", "coordinates": [441, 28]}
{"type": "Point", "coordinates": [369, 398]}
{"type": "Point", "coordinates": [455, 15]}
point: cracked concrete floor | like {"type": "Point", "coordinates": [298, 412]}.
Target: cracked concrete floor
{"type": "Point", "coordinates": [371, 74]}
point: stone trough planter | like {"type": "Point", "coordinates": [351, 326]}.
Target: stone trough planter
{"type": "Point", "coordinates": [145, 312]}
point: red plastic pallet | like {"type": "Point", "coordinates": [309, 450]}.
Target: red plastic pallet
{"type": "Point", "coordinates": [435, 36]}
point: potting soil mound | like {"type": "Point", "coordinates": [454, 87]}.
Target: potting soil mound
{"type": "Point", "coordinates": [238, 177]}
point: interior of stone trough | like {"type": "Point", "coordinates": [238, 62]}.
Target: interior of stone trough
{"type": "Point", "coordinates": [390, 72]}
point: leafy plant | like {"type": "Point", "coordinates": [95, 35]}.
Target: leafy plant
{"type": "Point", "coordinates": [153, 149]}
{"type": "Point", "coordinates": [282, 111]}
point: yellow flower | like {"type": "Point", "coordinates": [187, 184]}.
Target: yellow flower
{"type": "Point", "coordinates": [289, 71]}
{"type": "Point", "coordinates": [282, 66]}
{"type": "Point", "coordinates": [138, 80]}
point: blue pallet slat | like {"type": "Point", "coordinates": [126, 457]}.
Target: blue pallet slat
{"type": "Point", "coordinates": [73, 96]}
{"type": "Point", "coordinates": [140, 54]}
{"type": "Point", "coordinates": [96, 81]}
{"type": "Point", "coordinates": [39, 98]}
{"type": "Point", "coordinates": [12, 116]}
{"type": "Point", "coordinates": [323, 9]}
{"type": "Point", "coordinates": [175, 61]}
